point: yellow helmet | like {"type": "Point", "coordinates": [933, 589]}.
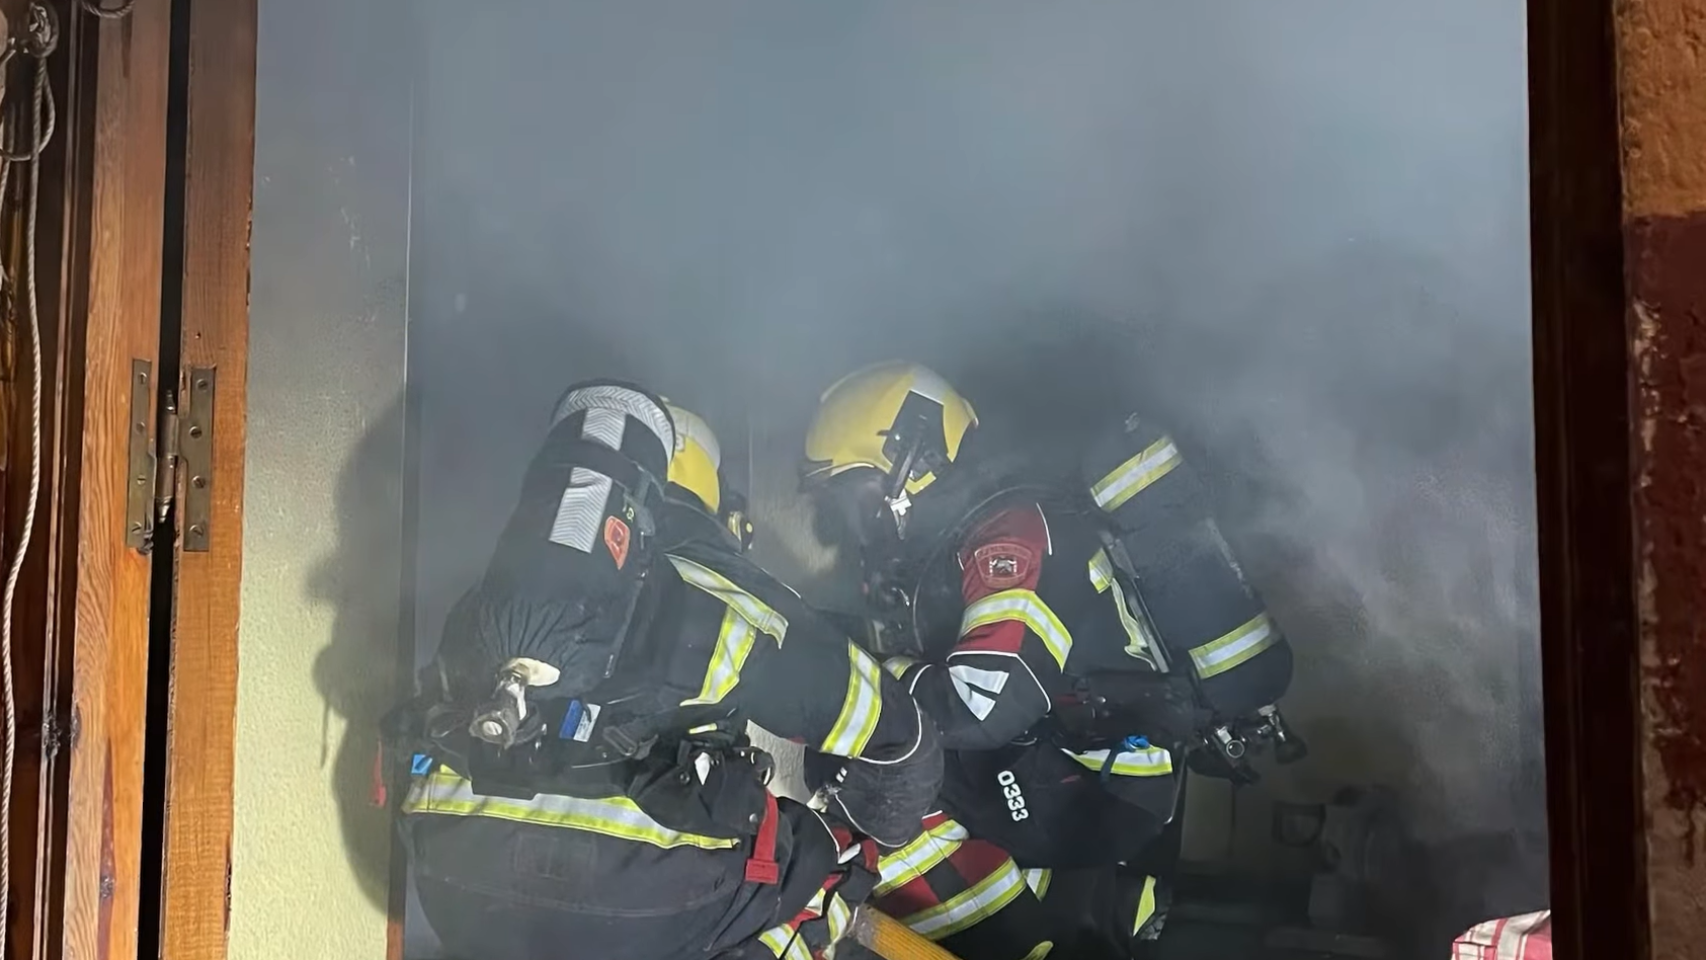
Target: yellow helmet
{"type": "Point", "coordinates": [697, 458]}
{"type": "Point", "coordinates": [889, 411]}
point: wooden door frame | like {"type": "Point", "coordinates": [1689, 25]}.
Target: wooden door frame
{"type": "Point", "coordinates": [217, 195]}
{"type": "Point", "coordinates": [1584, 458]}
{"type": "Point", "coordinates": [110, 165]}
{"type": "Point", "coordinates": [81, 638]}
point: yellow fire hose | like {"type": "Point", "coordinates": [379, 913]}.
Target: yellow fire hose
{"type": "Point", "coordinates": [892, 940]}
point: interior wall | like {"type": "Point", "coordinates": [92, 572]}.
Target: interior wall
{"type": "Point", "coordinates": [1298, 233]}
{"type": "Point", "coordinates": [323, 532]}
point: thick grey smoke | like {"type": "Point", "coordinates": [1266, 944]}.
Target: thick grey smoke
{"type": "Point", "coordinates": [1295, 229]}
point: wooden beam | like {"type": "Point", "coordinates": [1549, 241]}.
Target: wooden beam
{"type": "Point", "coordinates": [121, 323]}
{"type": "Point", "coordinates": [218, 194]}
{"type": "Point", "coordinates": [1585, 498]}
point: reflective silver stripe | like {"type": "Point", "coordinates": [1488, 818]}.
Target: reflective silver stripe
{"type": "Point", "coordinates": [1244, 642]}
{"type": "Point", "coordinates": [756, 611]}
{"type": "Point", "coordinates": [621, 400]}
{"type": "Point", "coordinates": [1153, 762]}
{"type": "Point", "coordinates": [982, 900]}
{"type": "Point", "coordinates": [1025, 607]}
{"type": "Point", "coordinates": [1133, 476]}
{"type": "Point", "coordinates": [860, 708]}
{"type": "Point", "coordinates": [734, 644]}
{"type": "Point", "coordinates": [580, 511]}
{"type": "Point", "coordinates": [1038, 880]}
{"type": "Point", "coordinates": [979, 703]}
{"type": "Point", "coordinates": [605, 425]}
{"type": "Point", "coordinates": [446, 793]}
{"type": "Point", "coordinates": [918, 857]}
{"type": "Point", "coordinates": [992, 680]}
{"type": "Point", "coordinates": [977, 688]}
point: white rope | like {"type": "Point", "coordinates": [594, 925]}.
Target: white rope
{"type": "Point", "coordinates": [41, 108]}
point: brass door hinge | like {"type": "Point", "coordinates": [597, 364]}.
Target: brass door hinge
{"type": "Point", "coordinates": [172, 477]}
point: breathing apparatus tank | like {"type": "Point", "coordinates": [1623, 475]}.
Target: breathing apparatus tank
{"type": "Point", "coordinates": [1189, 593]}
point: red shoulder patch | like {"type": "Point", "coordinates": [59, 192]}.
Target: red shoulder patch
{"type": "Point", "coordinates": [616, 540]}
{"type": "Point", "coordinates": [1003, 564]}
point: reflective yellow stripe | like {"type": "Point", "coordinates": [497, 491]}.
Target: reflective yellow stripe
{"type": "Point", "coordinates": [1153, 762]}
{"type": "Point", "coordinates": [1145, 905]}
{"type": "Point", "coordinates": [1101, 570]}
{"type": "Point", "coordinates": [1027, 608]}
{"type": "Point", "coordinates": [446, 793]}
{"type": "Point", "coordinates": [1038, 880]}
{"type": "Point", "coordinates": [1248, 640]}
{"type": "Point", "coordinates": [1135, 475]}
{"type": "Point", "coordinates": [784, 944]}
{"type": "Point", "coordinates": [1040, 951]}
{"type": "Point", "coordinates": [860, 708]}
{"type": "Point", "coordinates": [1137, 642]}
{"type": "Point", "coordinates": [897, 666]}
{"type": "Point", "coordinates": [981, 901]}
{"type": "Point", "coordinates": [758, 613]}
{"type": "Point", "coordinates": [918, 857]}
{"type": "Point", "coordinates": [734, 643]}
{"type": "Point", "coordinates": [840, 916]}
{"type": "Point", "coordinates": [1102, 577]}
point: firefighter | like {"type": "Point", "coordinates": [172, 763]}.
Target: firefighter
{"type": "Point", "coordinates": [580, 782]}
{"type": "Point", "coordinates": [1074, 634]}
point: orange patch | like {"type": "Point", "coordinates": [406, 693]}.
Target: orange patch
{"type": "Point", "coordinates": [616, 538]}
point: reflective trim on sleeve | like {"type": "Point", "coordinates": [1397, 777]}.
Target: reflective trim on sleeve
{"type": "Point", "coordinates": [1145, 906]}
{"type": "Point", "coordinates": [1025, 607]}
{"type": "Point", "coordinates": [840, 917]}
{"type": "Point", "coordinates": [734, 643]}
{"type": "Point", "coordinates": [1240, 645]}
{"type": "Point", "coordinates": [1041, 950]}
{"type": "Point", "coordinates": [1135, 475]}
{"type": "Point", "coordinates": [978, 902]}
{"type": "Point", "coordinates": [1038, 880]}
{"type": "Point", "coordinates": [446, 793]}
{"type": "Point", "coordinates": [1153, 762]}
{"type": "Point", "coordinates": [917, 858]}
{"type": "Point", "coordinates": [861, 707]}
{"type": "Point", "coordinates": [760, 614]}
{"type": "Point", "coordinates": [1101, 570]}
{"type": "Point", "coordinates": [785, 944]}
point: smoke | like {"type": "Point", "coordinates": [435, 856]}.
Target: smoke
{"type": "Point", "coordinates": [1295, 230]}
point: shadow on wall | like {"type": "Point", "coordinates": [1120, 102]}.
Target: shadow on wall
{"type": "Point", "coordinates": [357, 672]}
